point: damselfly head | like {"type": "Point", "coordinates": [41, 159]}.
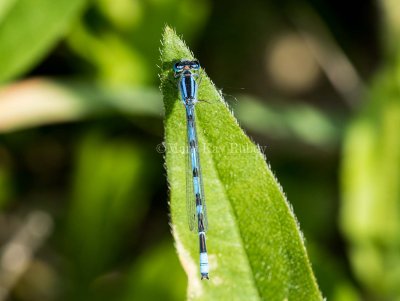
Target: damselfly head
{"type": "Point", "coordinates": [186, 65]}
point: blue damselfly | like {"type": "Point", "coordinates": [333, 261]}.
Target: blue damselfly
{"type": "Point", "coordinates": [187, 72]}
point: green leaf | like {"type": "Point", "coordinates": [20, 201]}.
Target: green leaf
{"type": "Point", "coordinates": [370, 174]}
{"type": "Point", "coordinates": [37, 102]}
{"type": "Point", "coordinates": [6, 187]}
{"type": "Point", "coordinates": [29, 28]}
{"type": "Point", "coordinates": [125, 29]}
{"type": "Point", "coordinates": [255, 246]}
{"type": "Point", "coordinates": [109, 196]}
{"type": "Point", "coordinates": [156, 275]}
{"type": "Point", "coordinates": [370, 216]}
{"type": "Point", "coordinates": [301, 121]}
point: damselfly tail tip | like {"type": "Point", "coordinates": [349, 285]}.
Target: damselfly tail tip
{"type": "Point", "coordinates": [204, 276]}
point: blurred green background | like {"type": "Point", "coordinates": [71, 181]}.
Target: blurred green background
{"type": "Point", "coordinates": [83, 192]}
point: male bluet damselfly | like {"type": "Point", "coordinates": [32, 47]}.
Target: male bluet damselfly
{"type": "Point", "coordinates": [186, 71]}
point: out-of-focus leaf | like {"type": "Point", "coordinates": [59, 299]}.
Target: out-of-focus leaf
{"type": "Point", "coordinates": [301, 122]}
{"type": "Point", "coordinates": [5, 186]}
{"type": "Point", "coordinates": [157, 275]}
{"type": "Point", "coordinates": [391, 26]}
{"type": "Point", "coordinates": [255, 246]}
{"type": "Point", "coordinates": [370, 215]}
{"type": "Point", "coordinates": [29, 28]}
{"type": "Point", "coordinates": [5, 6]}
{"type": "Point", "coordinates": [334, 62]}
{"type": "Point", "coordinates": [108, 198]}
{"type": "Point", "coordinates": [6, 183]}
{"type": "Point", "coordinates": [119, 38]}
{"type": "Point", "coordinates": [344, 291]}
{"type": "Point", "coordinates": [331, 273]}
{"type": "Point", "coordinates": [42, 101]}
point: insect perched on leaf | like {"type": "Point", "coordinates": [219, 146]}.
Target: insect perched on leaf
{"type": "Point", "coordinates": [187, 72]}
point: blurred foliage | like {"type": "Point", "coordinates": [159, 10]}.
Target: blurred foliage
{"type": "Point", "coordinates": [81, 116]}
{"type": "Point", "coordinates": [28, 30]}
{"type": "Point", "coordinates": [43, 101]}
{"type": "Point", "coordinates": [120, 39]}
{"type": "Point", "coordinates": [371, 177]}
{"type": "Point", "coordinates": [107, 182]}
{"type": "Point", "coordinates": [162, 263]}
{"type": "Point", "coordinates": [370, 213]}
{"type": "Point", "coordinates": [5, 179]}
{"type": "Point", "coordinates": [300, 121]}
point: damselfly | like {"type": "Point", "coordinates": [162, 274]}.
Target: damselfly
{"type": "Point", "coordinates": [187, 73]}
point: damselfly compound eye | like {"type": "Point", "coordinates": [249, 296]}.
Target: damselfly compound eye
{"type": "Point", "coordinates": [178, 67]}
{"type": "Point", "coordinates": [194, 65]}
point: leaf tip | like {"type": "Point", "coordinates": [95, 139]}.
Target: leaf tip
{"type": "Point", "coordinates": [168, 33]}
